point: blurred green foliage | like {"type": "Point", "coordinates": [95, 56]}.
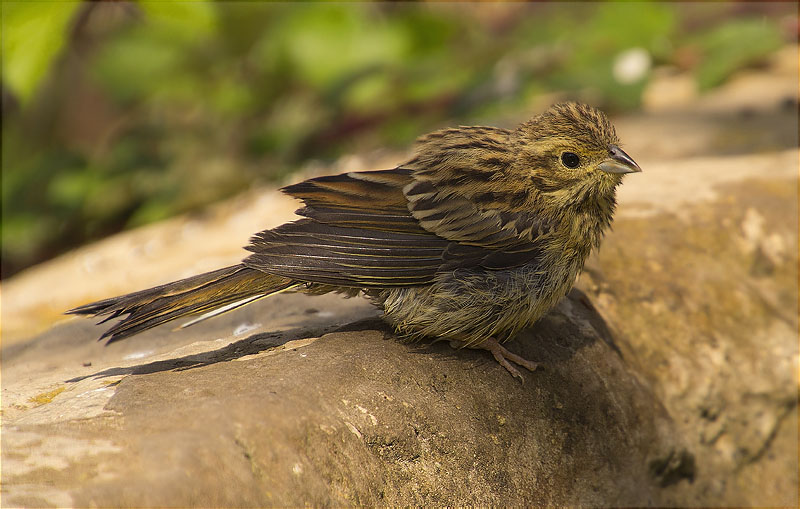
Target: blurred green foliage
{"type": "Point", "coordinates": [26, 59]}
{"type": "Point", "coordinates": [117, 114]}
{"type": "Point", "coordinates": [728, 47]}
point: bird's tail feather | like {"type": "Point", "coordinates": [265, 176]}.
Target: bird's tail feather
{"type": "Point", "coordinates": [208, 295]}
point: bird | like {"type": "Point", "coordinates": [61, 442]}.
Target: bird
{"type": "Point", "coordinates": [475, 237]}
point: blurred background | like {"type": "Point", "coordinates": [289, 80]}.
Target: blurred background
{"type": "Point", "coordinates": [118, 114]}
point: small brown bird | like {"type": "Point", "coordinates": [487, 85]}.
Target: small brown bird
{"type": "Point", "coordinates": [473, 239]}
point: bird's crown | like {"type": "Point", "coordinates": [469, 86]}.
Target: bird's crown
{"type": "Point", "coordinates": [576, 122]}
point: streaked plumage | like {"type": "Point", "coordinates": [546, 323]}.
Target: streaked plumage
{"type": "Point", "coordinates": [474, 238]}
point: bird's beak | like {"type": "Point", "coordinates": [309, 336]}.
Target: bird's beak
{"type": "Point", "coordinates": [619, 162]}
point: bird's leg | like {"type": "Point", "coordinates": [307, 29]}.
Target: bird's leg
{"type": "Point", "coordinates": [503, 356]}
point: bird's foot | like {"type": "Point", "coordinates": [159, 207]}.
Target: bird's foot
{"type": "Point", "coordinates": [503, 356]}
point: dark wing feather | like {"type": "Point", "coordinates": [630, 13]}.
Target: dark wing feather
{"type": "Point", "coordinates": [358, 232]}
{"type": "Point", "coordinates": [312, 251]}
{"type": "Point", "coordinates": [464, 188]}
{"type": "Point", "coordinates": [399, 227]}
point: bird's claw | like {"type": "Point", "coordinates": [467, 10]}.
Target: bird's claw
{"type": "Point", "coordinates": [502, 355]}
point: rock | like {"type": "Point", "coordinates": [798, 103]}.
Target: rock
{"type": "Point", "coordinates": [706, 316]}
{"type": "Point", "coordinates": [667, 89]}
{"type": "Point", "coordinates": [298, 417]}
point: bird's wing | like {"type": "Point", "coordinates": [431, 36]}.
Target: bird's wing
{"type": "Point", "coordinates": [357, 232]}
{"type": "Point", "coordinates": [398, 227]}
{"type": "Point", "coordinates": [483, 229]}
{"type": "Point", "coordinates": [465, 188]}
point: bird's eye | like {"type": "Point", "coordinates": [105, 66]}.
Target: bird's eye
{"type": "Point", "coordinates": [570, 159]}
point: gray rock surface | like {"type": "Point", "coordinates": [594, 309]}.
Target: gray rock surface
{"type": "Point", "coordinates": [354, 417]}
{"type": "Point", "coordinates": [669, 376]}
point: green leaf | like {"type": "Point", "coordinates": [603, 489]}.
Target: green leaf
{"type": "Point", "coordinates": [732, 46]}
{"type": "Point", "coordinates": [327, 42]}
{"type": "Point", "coordinates": [190, 20]}
{"type": "Point", "coordinates": [139, 63]}
{"type": "Point", "coordinates": [33, 35]}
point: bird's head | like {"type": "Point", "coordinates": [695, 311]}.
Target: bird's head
{"type": "Point", "coordinates": [571, 152]}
